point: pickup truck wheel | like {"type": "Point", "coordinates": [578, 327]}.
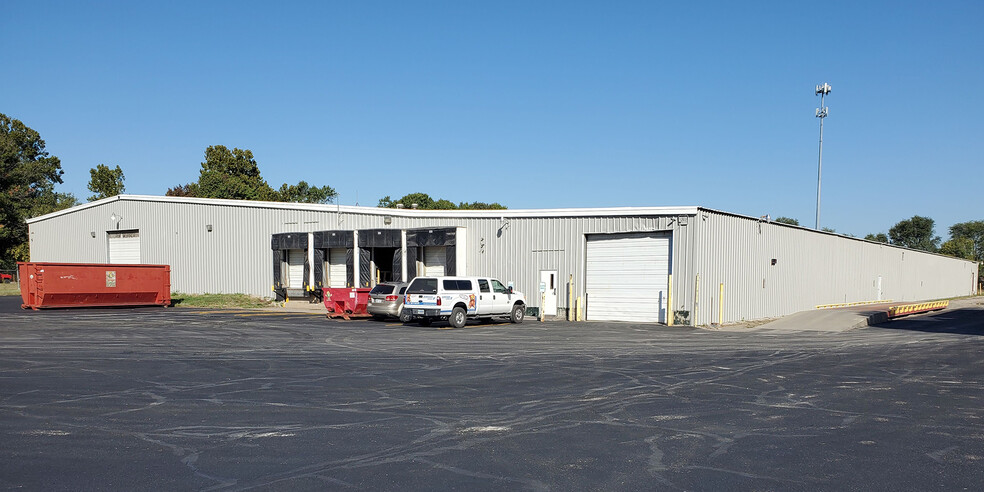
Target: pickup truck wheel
{"type": "Point", "coordinates": [424, 322]}
{"type": "Point", "coordinates": [457, 318]}
{"type": "Point", "coordinates": [518, 311]}
{"type": "Point", "coordinates": [405, 316]}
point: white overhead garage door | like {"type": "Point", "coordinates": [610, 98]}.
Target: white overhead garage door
{"type": "Point", "coordinates": [626, 277]}
{"type": "Point", "coordinates": [336, 267]}
{"type": "Point", "coordinates": [435, 258]}
{"type": "Point", "coordinates": [295, 268]}
{"type": "Point", "coordinates": [124, 247]}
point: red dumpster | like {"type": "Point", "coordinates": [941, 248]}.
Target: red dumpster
{"type": "Point", "coordinates": [343, 300]}
{"type": "Point", "coordinates": [54, 285]}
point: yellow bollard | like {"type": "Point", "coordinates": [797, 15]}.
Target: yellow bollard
{"type": "Point", "coordinates": [570, 297]}
{"type": "Point", "coordinates": [669, 300]}
{"type": "Point", "coordinates": [721, 305]}
{"type": "Point", "coordinates": [696, 297]}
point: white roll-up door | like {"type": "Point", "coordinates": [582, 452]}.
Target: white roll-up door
{"type": "Point", "coordinates": [124, 247]}
{"type": "Point", "coordinates": [626, 277]}
{"type": "Point", "coordinates": [336, 267]}
{"type": "Point", "coordinates": [295, 268]}
{"type": "Point", "coordinates": [435, 258]}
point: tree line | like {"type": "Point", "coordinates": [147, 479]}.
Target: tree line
{"type": "Point", "coordinates": [29, 174]}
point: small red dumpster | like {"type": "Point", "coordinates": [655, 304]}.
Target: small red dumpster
{"type": "Point", "coordinates": [343, 301]}
{"type": "Point", "coordinates": [58, 285]}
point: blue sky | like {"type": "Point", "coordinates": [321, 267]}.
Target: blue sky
{"type": "Point", "coordinates": [533, 104]}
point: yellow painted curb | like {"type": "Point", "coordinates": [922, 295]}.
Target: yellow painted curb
{"type": "Point", "coordinates": [916, 308]}
{"type": "Point", "coordinates": [845, 304]}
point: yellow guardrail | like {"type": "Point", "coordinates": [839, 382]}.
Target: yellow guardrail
{"type": "Point", "coordinates": [846, 304]}
{"type": "Point", "coordinates": [905, 309]}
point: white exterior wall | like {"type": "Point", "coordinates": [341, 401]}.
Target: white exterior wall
{"type": "Point", "coordinates": [515, 245]}
{"type": "Point", "coordinates": [812, 268]}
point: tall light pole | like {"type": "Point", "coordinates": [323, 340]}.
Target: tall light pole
{"type": "Point", "coordinates": [822, 90]}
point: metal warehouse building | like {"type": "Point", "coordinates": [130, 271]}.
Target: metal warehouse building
{"type": "Point", "coordinates": [633, 264]}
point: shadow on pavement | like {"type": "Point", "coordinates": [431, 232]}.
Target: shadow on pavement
{"type": "Point", "coordinates": [964, 321]}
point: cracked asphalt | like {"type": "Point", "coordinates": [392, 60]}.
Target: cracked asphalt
{"type": "Point", "coordinates": [152, 398]}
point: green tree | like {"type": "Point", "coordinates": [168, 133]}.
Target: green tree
{"type": "Point", "coordinates": [182, 190]}
{"type": "Point", "coordinates": [827, 229]}
{"type": "Point", "coordinates": [305, 193]}
{"type": "Point", "coordinates": [105, 182]}
{"type": "Point", "coordinates": [425, 202]}
{"type": "Point", "coordinates": [28, 175]}
{"type": "Point", "coordinates": [916, 233]}
{"type": "Point", "coordinates": [787, 220]}
{"type": "Point", "coordinates": [443, 204]}
{"type": "Point", "coordinates": [231, 174]}
{"type": "Point", "coordinates": [480, 206]}
{"type": "Point", "coordinates": [880, 237]}
{"type": "Point", "coordinates": [422, 200]}
{"type": "Point", "coordinates": [960, 247]}
{"type": "Point", "coordinates": [973, 230]}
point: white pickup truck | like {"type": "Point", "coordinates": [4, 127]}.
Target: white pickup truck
{"type": "Point", "coordinates": [457, 299]}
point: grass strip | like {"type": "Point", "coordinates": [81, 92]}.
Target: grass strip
{"type": "Point", "coordinates": [221, 301]}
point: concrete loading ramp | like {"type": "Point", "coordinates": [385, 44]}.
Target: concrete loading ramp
{"type": "Point", "coordinates": [858, 316]}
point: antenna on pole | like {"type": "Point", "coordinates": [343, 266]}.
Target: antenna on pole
{"type": "Point", "coordinates": [822, 90]}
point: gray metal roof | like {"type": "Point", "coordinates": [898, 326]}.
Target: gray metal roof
{"type": "Point", "coordinates": [397, 212]}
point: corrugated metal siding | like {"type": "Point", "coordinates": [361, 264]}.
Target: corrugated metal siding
{"type": "Point", "coordinates": [235, 256]}
{"type": "Point", "coordinates": [811, 268]}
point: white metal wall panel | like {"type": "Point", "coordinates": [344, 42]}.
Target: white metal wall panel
{"type": "Point", "coordinates": [515, 245]}
{"type": "Point", "coordinates": [811, 268]}
{"type": "Point", "coordinates": [124, 247]}
{"type": "Point", "coordinates": [336, 267]}
{"type": "Point", "coordinates": [435, 259]}
{"type": "Point", "coordinates": [626, 277]}
{"type": "Point", "coordinates": [295, 268]}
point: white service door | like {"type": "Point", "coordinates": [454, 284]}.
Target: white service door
{"type": "Point", "coordinates": [295, 268]}
{"type": "Point", "coordinates": [434, 259]}
{"type": "Point", "coordinates": [336, 267]}
{"type": "Point", "coordinates": [549, 280]}
{"type": "Point", "coordinates": [124, 247]}
{"type": "Point", "coordinates": [626, 277]}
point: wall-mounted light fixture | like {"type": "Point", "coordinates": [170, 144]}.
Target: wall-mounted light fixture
{"type": "Point", "coordinates": [388, 219]}
{"type": "Point", "coordinates": [93, 234]}
{"type": "Point", "coordinates": [208, 227]}
{"type": "Point", "coordinates": [115, 219]}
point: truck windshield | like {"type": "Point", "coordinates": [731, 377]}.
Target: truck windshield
{"type": "Point", "coordinates": [423, 286]}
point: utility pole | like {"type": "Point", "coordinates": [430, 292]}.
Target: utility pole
{"type": "Point", "coordinates": [822, 90]}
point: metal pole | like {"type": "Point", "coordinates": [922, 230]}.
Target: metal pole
{"type": "Point", "coordinates": [721, 304]}
{"type": "Point", "coordinates": [822, 90]}
{"type": "Point", "coordinates": [669, 300]}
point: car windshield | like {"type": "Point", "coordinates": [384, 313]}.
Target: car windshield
{"type": "Point", "coordinates": [423, 286]}
{"type": "Point", "coordinates": [382, 289]}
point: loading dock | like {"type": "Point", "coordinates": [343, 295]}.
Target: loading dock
{"type": "Point", "coordinates": [432, 252]}
{"type": "Point", "coordinates": [290, 265]}
{"type": "Point", "coordinates": [333, 259]}
{"type": "Point", "coordinates": [380, 256]}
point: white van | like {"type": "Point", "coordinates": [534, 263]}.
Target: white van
{"type": "Point", "coordinates": [457, 299]}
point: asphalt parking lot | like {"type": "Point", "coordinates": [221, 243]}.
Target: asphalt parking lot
{"type": "Point", "coordinates": [152, 398]}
